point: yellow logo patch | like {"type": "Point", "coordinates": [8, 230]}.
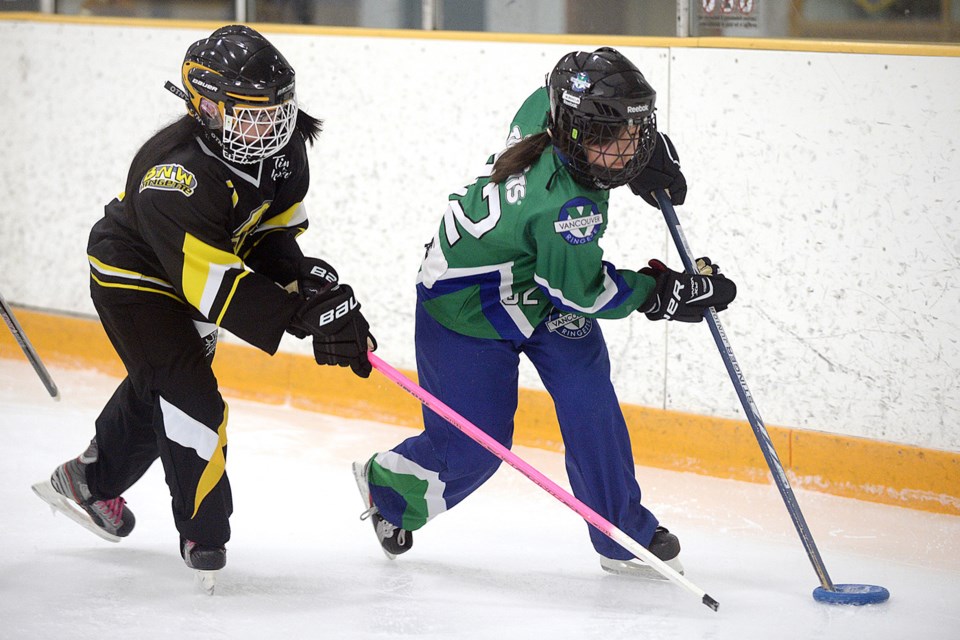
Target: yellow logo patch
{"type": "Point", "coordinates": [169, 177]}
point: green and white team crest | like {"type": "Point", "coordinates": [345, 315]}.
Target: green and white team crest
{"type": "Point", "coordinates": [579, 220]}
{"type": "Point", "coordinates": [569, 325]}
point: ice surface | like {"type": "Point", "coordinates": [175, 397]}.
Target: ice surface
{"type": "Point", "coordinates": [510, 562]}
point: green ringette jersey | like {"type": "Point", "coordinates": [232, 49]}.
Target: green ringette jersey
{"type": "Point", "coordinates": [506, 255]}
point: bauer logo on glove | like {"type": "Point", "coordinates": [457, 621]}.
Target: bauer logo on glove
{"type": "Point", "coordinates": [327, 312]}
{"type": "Point", "coordinates": [684, 297]}
{"type": "Point", "coordinates": [341, 335]}
{"type": "Point", "coordinates": [316, 277]}
{"type": "Point", "coordinates": [322, 273]}
{"type": "Point", "coordinates": [337, 312]}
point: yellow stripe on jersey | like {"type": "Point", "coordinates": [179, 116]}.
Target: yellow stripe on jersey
{"type": "Point", "coordinates": [295, 215]}
{"type": "Point", "coordinates": [252, 222]}
{"type": "Point", "coordinates": [292, 219]}
{"type": "Point", "coordinates": [115, 285]}
{"type": "Point", "coordinates": [204, 270]}
{"type": "Point", "coordinates": [233, 196]}
{"type": "Point", "coordinates": [233, 290]}
{"type": "Point", "coordinates": [118, 272]}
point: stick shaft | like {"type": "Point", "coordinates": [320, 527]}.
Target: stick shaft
{"type": "Point", "coordinates": [18, 334]}
{"type": "Point", "coordinates": [746, 400]}
{"type": "Point", "coordinates": [480, 437]}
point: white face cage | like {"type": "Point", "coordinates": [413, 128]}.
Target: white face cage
{"type": "Point", "coordinates": [252, 134]}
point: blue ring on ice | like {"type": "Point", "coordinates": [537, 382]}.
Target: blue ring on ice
{"type": "Point", "coordinates": [855, 594]}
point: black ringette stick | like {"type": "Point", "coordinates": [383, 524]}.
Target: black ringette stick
{"type": "Point", "coordinates": [28, 349]}
{"type": "Point", "coordinates": [827, 591]}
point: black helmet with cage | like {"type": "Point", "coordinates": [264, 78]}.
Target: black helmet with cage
{"type": "Point", "coordinates": [602, 119]}
{"type": "Point", "coordinates": [242, 91]}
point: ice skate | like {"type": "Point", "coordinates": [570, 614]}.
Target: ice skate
{"type": "Point", "coordinates": [393, 539]}
{"type": "Point", "coordinates": [205, 560]}
{"type": "Point", "coordinates": [66, 491]}
{"type": "Point", "coordinates": [664, 546]}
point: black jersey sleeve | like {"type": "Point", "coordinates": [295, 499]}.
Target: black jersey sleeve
{"type": "Point", "coordinates": [272, 249]}
{"type": "Point", "coordinates": [276, 255]}
{"type": "Point", "coordinates": [184, 217]}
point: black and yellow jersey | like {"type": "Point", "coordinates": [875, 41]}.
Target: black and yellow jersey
{"type": "Point", "coordinates": [216, 236]}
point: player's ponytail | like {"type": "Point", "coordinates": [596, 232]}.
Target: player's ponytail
{"type": "Point", "coordinates": [308, 126]}
{"type": "Point", "coordinates": [519, 156]}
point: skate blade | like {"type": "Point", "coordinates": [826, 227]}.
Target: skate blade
{"type": "Point", "coordinates": [365, 497]}
{"type": "Point", "coordinates": [637, 569]}
{"type": "Point", "coordinates": [207, 581]}
{"type": "Point", "coordinates": [61, 504]}
{"type": "Point", "coordinates": [361, 484]}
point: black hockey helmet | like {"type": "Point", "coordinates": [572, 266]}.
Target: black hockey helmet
{"type": "Point", "coordinates": [242, 91]}
{"type": "Point", "coordinates": [602, 119]}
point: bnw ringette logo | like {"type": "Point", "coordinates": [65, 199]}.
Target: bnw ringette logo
{"type": "Point", "coordinates": [569, 325]}
{"type": "Point", "coordinates": [579, 220]}
{"type": "Point", "coordinates": [169, 177]}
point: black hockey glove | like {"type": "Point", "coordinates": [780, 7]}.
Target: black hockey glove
{"type": "Point", "coordinates": [683, 297]}
{"type": "Point", "coordinates": [662, 172]}
{"type": "Point", "coordinates": [315, 277]}
{"type": "Point", "coordinates": [341, 335]}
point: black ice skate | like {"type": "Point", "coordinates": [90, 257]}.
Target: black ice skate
{"type": "Point", "coordinates": [205, 560]}
{"type": "Point", "coordinates": [393, 539]}
{"type": "Point", "coordinates": [665, 546]}
{"type": "Point", "coordinates": [66, 491]}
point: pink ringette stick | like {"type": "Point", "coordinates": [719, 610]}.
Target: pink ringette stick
{"type": "Point", "coordinates": [597, 521]}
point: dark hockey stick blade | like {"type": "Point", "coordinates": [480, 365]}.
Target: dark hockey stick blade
{"type": "Point", "coordinates": [710, 602]}
{"type": "Point", "coordinates": [852, 594]}
{"type": "Point", "coordinates": [6, 312]}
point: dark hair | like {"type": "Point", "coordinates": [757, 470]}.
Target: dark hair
{"type": "Point", "coordinates": [520, 156]}
{"type": "Point", "coordinates": [185, 129]}
{"type": "Point", "coordinates": [308, 126]}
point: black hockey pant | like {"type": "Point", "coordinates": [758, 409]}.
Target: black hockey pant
{"type": "Point", "coordinates": [168, 406]}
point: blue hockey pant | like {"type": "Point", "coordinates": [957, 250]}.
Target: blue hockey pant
{"type": "Point", "coordinates": [433, 471]}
